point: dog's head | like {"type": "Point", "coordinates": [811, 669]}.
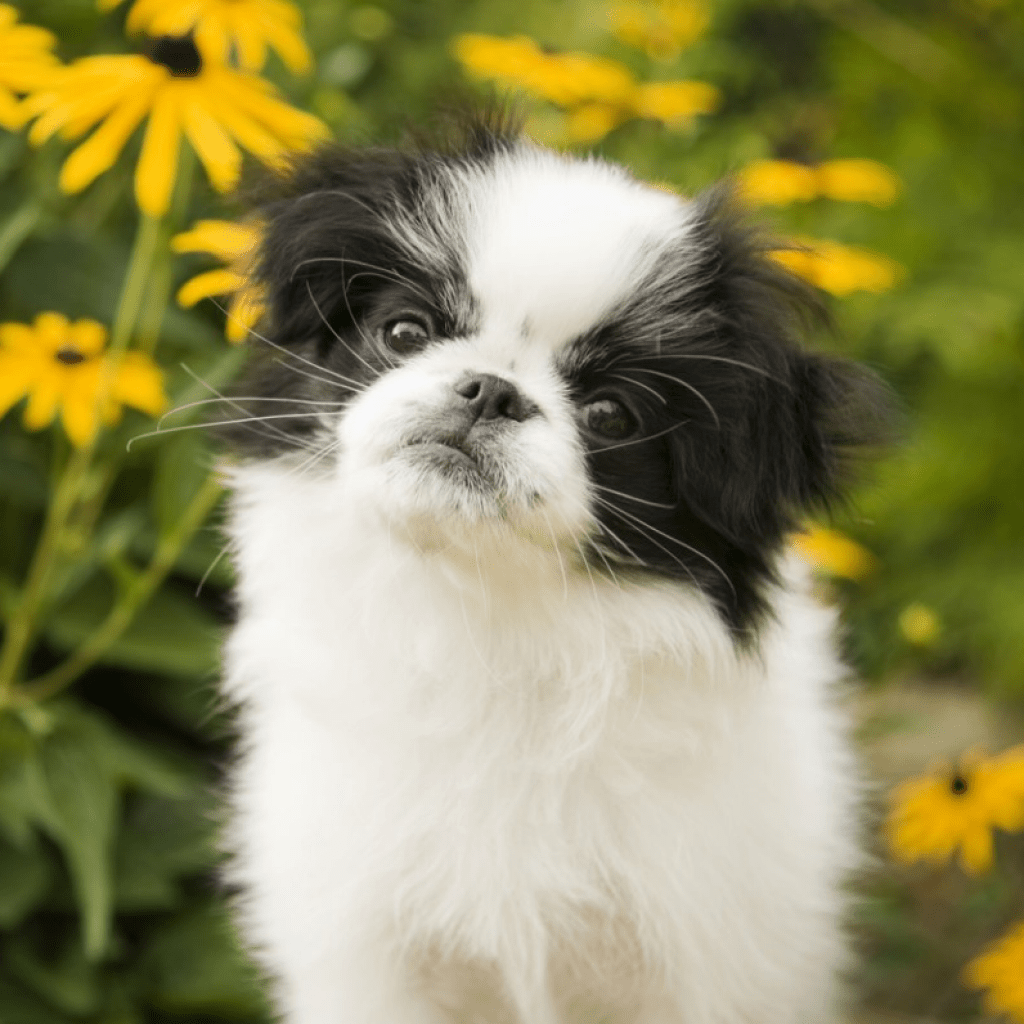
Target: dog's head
{"type": "Point", "coordinates": [497, 339]}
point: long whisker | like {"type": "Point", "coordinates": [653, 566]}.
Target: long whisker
{"type": "Point", "coordinates": [226, 423]}
{"type": "Point", "coordinates": [209, 569]}
{"type": "Point", "coordinates": [629, 380]}
{"type": "Point", "coordinates": [236, 401]}
{"type": "Point", "coordinates": [685, 384]}
{"type": "Point", "coordinates": [641, 440]}
{"type": "Point", "coordinates": [349, 382]}
{"type": "Point", "coordinates": [647, 528]}
{"type": "Point", "coordinates": [633, 497]}
{"type": "Point", "coordinates": [718, 359]}
{"type": "Point", "coordinates": [639, 525]}
{"type": "Point", "coordinates": [267, 431]}
{"type": "Point", "coordinates": [273, 344]}
{"type": "Point", "coordinates": [337, 336]}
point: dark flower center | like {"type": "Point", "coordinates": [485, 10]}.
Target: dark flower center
{"type": "Point", "coordinates": [958, 785]}
{"type": "Point", "coordinates": [178, 54]}
{"type": "Point", "coordinates": [69, 356]}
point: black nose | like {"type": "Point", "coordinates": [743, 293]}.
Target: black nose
{"type": "Point", "coordinates": [489, 397]}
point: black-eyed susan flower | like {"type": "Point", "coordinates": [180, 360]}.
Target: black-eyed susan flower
{"type": "Point", "coordinates": [662, 28]}
{"type": "Point", "coordinates": [837, 268]}
{"type": "Point", "coordinates": [247, 27]}
{"type": "Point", "coordinates": [780, 182]}
{"type": "Point", "coordinates": [182, 92]}
{"type": "Point", "coordinates": [26, 63]}
{"type": "Point", "coordinates": [233, 244]}
{"type": "Point", "coordinates": [61, 366]}
{"type": "Point", "coordinates": [957, 807]}
{"type": "Point", "coordinates": [999, 969]}
{"type": "Point", "coordinates": [833, 553]}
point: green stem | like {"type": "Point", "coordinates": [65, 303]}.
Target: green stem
{"type": "Point", "coordinates": [19, 226]}
{"type": "Point", "coordinates": [131, 600]}
{"type": "Point", "coordinates": [22, 625]}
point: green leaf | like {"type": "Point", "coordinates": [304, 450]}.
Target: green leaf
{"type": "Point", "coordinates": [195, 965]}
{"type": "Point", "coordinates": [81, 810]}
{"type": "Point", "coordinates": [18, 1006]}
{"type": "Point", "coordinates": [24, 877]}
{"type": "Point", "coordinates": [17, 800]}
{"type": "Point", "coordinates": [68, 981]}
{"type": "Point", "coordinates": [161, 842]}
{"type": "Point", "coordinates": [172, 634]}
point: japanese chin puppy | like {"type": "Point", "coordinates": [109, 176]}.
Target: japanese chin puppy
{"type": "Point", "coordinates": [538, 718]}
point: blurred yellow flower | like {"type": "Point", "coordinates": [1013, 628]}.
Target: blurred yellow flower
{"type": "Point", "coordinates": [958, 807]}
{"type": "Point", "coordinates": [247, 26]}
{"type": "Point", "coordinates": [566, 79]}
{"type": "Point", "coordinates": [833, 553]}
{"type": "Point", "coordinates": [592, 122]}
{"type": "Point", "coordinates": [1000, 969]}
{"type": "Point", "coordinates": [59, 365]}
{"type": "Point", "coordinates": [676, 102]}
{"type": "Point", "coordinates": [661, 28]}
{"type": "Point", "coordinates": [235, 245]}
{"type": "Point", "coordinates": [837, 268]}
{"type": "Point", "coordinates": [779, 182]}
{"type": "Point", "coordinates": [25, 63]}
{"type": "Point", "coordinates": [598, 93]}
{"type": "Point", "coordinates": [858, 181]}
{"type": "Point", "coordinates": [919, 624]}
{"type": "Point", "coordinates": [182, 92]}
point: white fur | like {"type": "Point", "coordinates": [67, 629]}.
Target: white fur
{"type": "Point", "coordinates": [482, 782]}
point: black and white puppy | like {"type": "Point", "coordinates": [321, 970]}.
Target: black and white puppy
{"type": "Point", "coordinates": [538, 717]}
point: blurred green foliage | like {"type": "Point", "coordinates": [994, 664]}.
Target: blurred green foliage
{"type": "Point", "coordinates": [108, 908]}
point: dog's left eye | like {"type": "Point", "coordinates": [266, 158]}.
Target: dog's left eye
{"type": "Point", "coordinates": [406, 336]}
{"type": "Point", "coordinates": [609, 418]}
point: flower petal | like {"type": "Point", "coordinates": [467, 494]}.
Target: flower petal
{"type": "Point", "coordinates": [99, 152]}
{"type": "Point", "coordinates": [216, 149]}
{"type": "Point", "coordinates": [16, 376]}
{"type": "Point", "coordinates": [158, 161]}
{"type": "Point", "coordinates": [140, 384]}
{"type": "Point", "coordinates": [43, 400]}
{"type": "Point", "coordinates": [212, 282]}
{"type": "Point", "coordinates": [224, 239]}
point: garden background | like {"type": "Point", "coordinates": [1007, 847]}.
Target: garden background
{"type": "Point", "coordinates": [885, 136]}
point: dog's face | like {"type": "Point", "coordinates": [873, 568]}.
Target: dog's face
{"type": "Point", "coordinates": [507, 342]}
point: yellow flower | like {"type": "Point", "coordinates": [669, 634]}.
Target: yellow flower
{"type": "Point", "coordinates": [592, 122]}
{"type": "Point", "coordinates": [858, 181]}
{"type": "Point", "coordinates": [598, 93]}
{"type": "Point", "coordinates": [1000, 969]}
{"type": "Point", "coordinates": [662, 28]}
{"type": "Point", "coordinates": [958, 807]}
{"type": "Point", "coordinates": [566, 79]}
{"type": "Point", "coordinates": [248, 26]}
{"type": "Point", "coordinates": [25, 63]}
{"type": "Point", "coordinates": [182, 92]}
{"type": "Point", "coordinates": [235, 245]}
{"type": "Point", "coordinates": [839, 269]}
{"type": "Point", "coordinates": [919, 624]}
{"type": "Point", "coordinates": [675, 103]}
{"type": "Point", "coordinates": [833, 553]}
{"type": "Point", "coordinates": [779, 182]}
{"type": "Point", "coordinates": [60, 365]}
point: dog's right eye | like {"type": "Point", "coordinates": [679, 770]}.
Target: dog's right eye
{"type": "Point", "coordinates": [406, 336]}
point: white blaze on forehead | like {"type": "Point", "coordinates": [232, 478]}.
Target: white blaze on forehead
{"type": "Point", "coordinates": [555, 243]}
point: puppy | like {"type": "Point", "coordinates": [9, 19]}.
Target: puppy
{"type": "Point", "coordinates": [538, 719]}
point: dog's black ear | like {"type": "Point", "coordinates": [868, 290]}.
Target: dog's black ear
{"type": "Point", "coordinates": [788, 435]}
